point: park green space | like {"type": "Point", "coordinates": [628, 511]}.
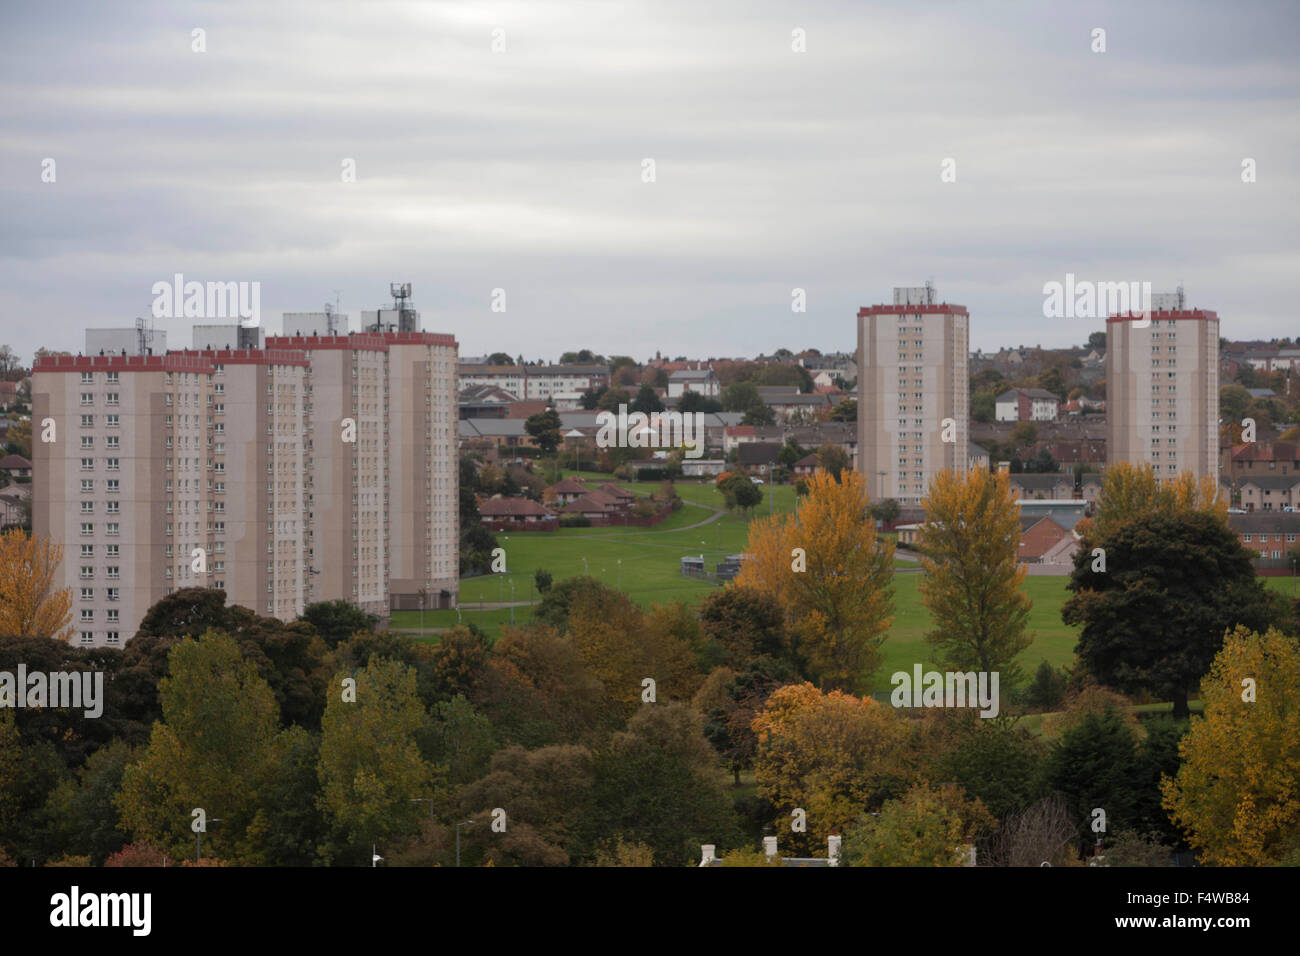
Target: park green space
{"type": "Point", "coordinates": [646, 564]}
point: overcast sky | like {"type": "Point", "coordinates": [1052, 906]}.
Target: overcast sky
{"type": "Point", "coordinates": [522, 169]}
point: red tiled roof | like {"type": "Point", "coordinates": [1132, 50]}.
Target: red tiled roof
{"type": "Point", "coordinates": [511, 508]}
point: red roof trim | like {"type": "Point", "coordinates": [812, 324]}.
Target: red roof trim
{"type": "Point", "coordinates": [358, 341]}
{"type": "Point", "coordinates": [1202, 314]}
{"type": "Point", "coordinates": [944, 309]}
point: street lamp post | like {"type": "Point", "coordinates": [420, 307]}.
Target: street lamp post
{"type": "Point", "coordinates": [467, 823]}
{"type": "Point", "coordinates": [424, 593]}
{"type": "Point", "coordinates": [198, 853]}
{"type": "Point", "coordinates": [620, 574]}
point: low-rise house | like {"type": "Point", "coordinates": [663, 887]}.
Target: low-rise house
{"type": "Point", "coordinates": [516, 510]}
{"type": "Point", "coordinates": [1043, 541]}
{"type": "Point", "coordinates": [562, 492]}
{"type": "Point", "coordinates": [1270, 535]}
{"type": "Point", "coordinates": [593, 505]}
{"type": "Point", "coordinates": [1270, 492]}
{"type": "Point", "coordinates": [1026, 405]}
{"type": "Point", "coordinates": [758, 456]}
{"type": "Point", "coordinates": [977, 457]}
{"type": "Point", "coordinates": [703, 467]}
{"type": "Point", "coordinates": [16, 465]}
{"type": "Point", "coordinates": [805, 466]}
{"type": "Point", "coordinates": [702, 381]}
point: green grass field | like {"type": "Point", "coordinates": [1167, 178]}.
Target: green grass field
{"type": "Point", "coordinates": [645, 562]}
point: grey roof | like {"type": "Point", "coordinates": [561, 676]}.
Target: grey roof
{"type": "Point", "coordinates": [975, 451]}
{"type": "Point", "coordinates": [691, 374]}
{"type": "Point", "coordinates": [1034, 482]}
{"type": "Point", "coordinates": [1010, 394]}
{"type": "Point", "coordinates": [491, 428]}
{"type": "Point", "coordinates": [1265, 522]}
{"type": "Point", "coordinates": [757, 453]}
{"type": "Point", "coordinates": [1261, 392]}
{"type": "Point", "coordinates": [1272, 482]}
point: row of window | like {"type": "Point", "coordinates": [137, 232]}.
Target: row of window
{"type": "Point", "coordinates": [88, 637]}
{"type": "Point", "coordinates": [111, 378]}
{"type": "Point", "coordinates": [1263, 537]}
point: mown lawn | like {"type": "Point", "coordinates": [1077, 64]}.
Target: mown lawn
{"type": "Point", "coordinates": [646, 562]}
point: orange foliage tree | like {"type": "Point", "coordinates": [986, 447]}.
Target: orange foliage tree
{"type": "Point", "coordinates": [30, 603]}
{"type": "Point", "coordinates": [834, 580]}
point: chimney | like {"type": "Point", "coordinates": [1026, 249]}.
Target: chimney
{"type": "Point", "coordinates": [769, 848]}
{"type": "Point", "coordinates": [706, 853]}
{"type": "Point", "coordinates": [833, 849]}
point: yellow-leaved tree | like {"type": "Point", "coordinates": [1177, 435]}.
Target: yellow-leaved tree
{"type": "Point", "coordinates": [833, 578]}
{"type": "Point", "coordinates": [833, 756]}
{"type": "Point", "coordinates": [1237, 793]}
{"type": "Point", "coordinates": [970, 542]}
{"type": "Point", "coordinates": [31, 605]}
{"type": "Point", "coordinates": [1129, 493]}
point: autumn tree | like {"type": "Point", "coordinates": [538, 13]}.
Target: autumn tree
{"type": "Point", "coordinates": [212, 749]}
{"type": "Point", "coordinates": [970, 543]}
{"type": "Point", "coordinates": [834, 580]}
{"type": "Point", "coordinates": [1237, 794]}
{"type": "Point", "coordinates": [832, 755]}
{"type": "Point", "coordinates": [31, 605]}
{"type": "Point", "coordinates": [370, 765]}
{"type": "Point", "coordinates": [1132, 493]}
{"type": "Point", "coordinates": [926, 826]}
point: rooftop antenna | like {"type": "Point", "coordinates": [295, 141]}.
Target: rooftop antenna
{"type": "Point", "coordinates": [1182, 299]}
{"type": "Point", "coordinates": [929, 292]}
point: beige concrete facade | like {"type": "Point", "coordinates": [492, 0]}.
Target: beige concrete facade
{"type": "Point", "coordinates": [160, 476]}
{"type": "Point", "coordinates": [1162, 391]}
{"type": "Point", "coordinates": [912, 376]}
{"type": "Point", "coordinates": [317, 468]}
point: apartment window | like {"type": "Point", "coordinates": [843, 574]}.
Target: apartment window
{"type": "Point", "coordinates": [219, 388]}
{"type": "Point", "coordinates": [114, 421]}
{"type": "Point", "coordinates": [87, 637]}
{"type": "Point", "coordinates": [87, 485]}
{"type": "Point", "coordinates": [112, 464]}
{"type": "Point", "coordinates": [87, 441]}
{"type": "Point", "coordinates": [87, 378]}
{"type": "Point", "coordinates": [112, 486]}
{"type": "Point", "coordinates": [112, 378]}
{"type": "Point", "coordinates": [113, 615]}
{"type": "Point", "coordinates": [113, 507]}
{"type": "Point", "coordinates": [112, 595]}
{"type": "Point", "coordinates": [87, 550]}
{"type": "Point", "coordinates": [111, 398]}
{"type": "Point", "coordinates": [112, 528]}
{"type": "Point", "coordinates": [112, 572]}
{"type": "Point", "coordinates": [87, 572]}
{"type": "Point", "coordinates": [88, 594]}
{"type": "Point", "coordinates": [113, 550]}
{"type": "Point", "coordinates": [87, 421]}
{"type": "Point", "coordinates": [87, 507]}
{"type": "Point", "coordinates": [1245, 537]}
{"type": "Point", "coordinates": [112, 637]}
{"type": "Point", "coordinates": [87, 528]}
{"type": "Point", "coordinates": [87, 615]}
{"type": "Point", "coordinates": [111, 441]}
